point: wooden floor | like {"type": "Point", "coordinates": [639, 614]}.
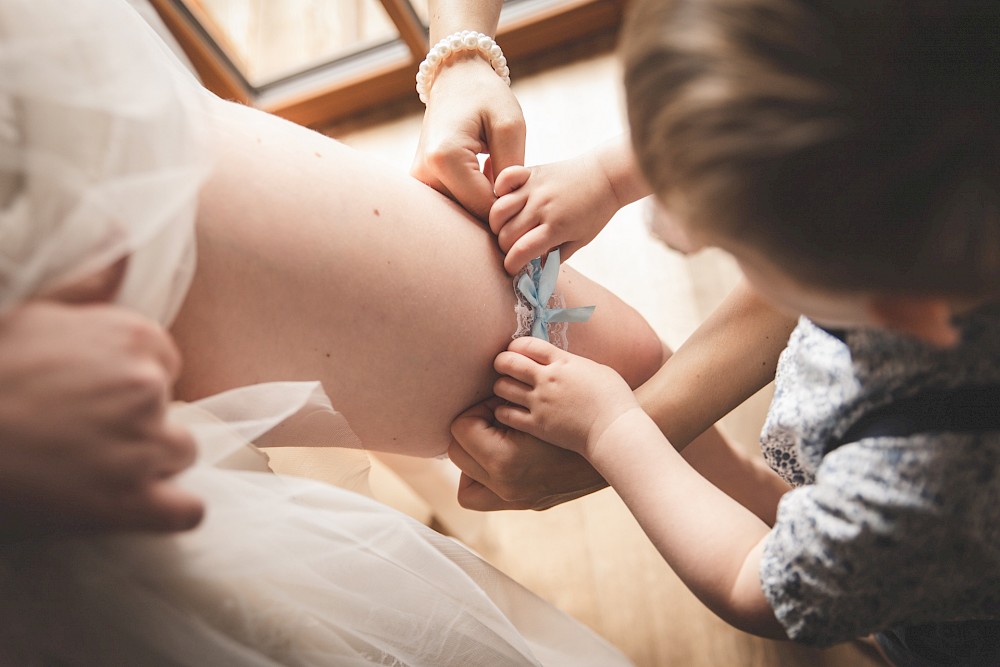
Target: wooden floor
{"type": "Point", "coordinates": [589, 557]}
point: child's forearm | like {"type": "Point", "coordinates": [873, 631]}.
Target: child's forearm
{"type": "Point", "coordinates": [729, 357]}
{"type": "Point", "coordinates": [743, 477]}
{"type": "Point", "coordinates": [732, 355]}
{"type": "Point", "coordinates": [620, 168]}
{"type": "Point", "coordinates": [708, 539]}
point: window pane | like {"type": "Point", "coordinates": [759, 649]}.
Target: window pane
{"type": "Point", "coordinates": [420, 7]}
{"type": "Point", "coordinates": [272, 39]}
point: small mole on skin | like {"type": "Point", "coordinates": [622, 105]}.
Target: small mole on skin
{"type": "Point", "coordinates": [375, 211]}
{"type": "Point", "coordinates": [327, 355]}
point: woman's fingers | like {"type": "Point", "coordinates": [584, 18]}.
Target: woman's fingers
{"type": "Point", "coordinates": [464, 460]}
{"type": "Point", "coordinates": [464, 180]}
{"type": "Point", "coordinates": [505, 135]}
{"type": "Point", "coordinates": [515, 417]}
{"type": "Point", "coordinates": [178, 449]}
{"type": "Point", "coordinates": [164, 506]}
{"type": "Point", "coordinates": [476, 496]}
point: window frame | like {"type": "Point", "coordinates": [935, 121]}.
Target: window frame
{"type": "Point", "coordinates": [383, 75]}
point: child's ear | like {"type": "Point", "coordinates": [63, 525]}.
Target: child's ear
{"type": "Point", "coordinates": [925, 318]}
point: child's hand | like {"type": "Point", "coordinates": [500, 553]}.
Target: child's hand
{"type": "Point", "coordinates": [559, 397]}
{"type": "Point", "coordinates": [562, 204]}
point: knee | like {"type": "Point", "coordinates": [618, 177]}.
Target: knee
{"type": "Point", "coordinates": [623, 340]}
{"type": "Point", "coordinates": [642, 356]}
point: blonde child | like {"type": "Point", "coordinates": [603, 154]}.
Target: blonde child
{"type": "Point", "coordinates": [847, 154]}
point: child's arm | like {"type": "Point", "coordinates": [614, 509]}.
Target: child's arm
{"type": "Point", "coordinates": [562, 204]}
{"type": "Point", "coordinates": [711, 541]}
{"type": "Point", "coordinates": [730, 356]}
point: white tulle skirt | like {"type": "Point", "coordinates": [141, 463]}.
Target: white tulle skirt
{"type": "Point", "coordinates": [102, 153]}
{"type": "Point", "coordinates": [283, 571]}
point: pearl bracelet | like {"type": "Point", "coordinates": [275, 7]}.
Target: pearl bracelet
{"type": "Point", "coordinates": [466, 40]}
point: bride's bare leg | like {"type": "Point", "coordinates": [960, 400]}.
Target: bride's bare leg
{"type": "Point", "coordinates": [317, 262]}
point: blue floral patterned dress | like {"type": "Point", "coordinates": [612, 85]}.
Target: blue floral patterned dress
{"type": "Point", "coordinates": [884, 532]}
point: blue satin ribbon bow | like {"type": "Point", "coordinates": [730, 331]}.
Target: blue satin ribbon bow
{"type": "Point", "coordinates": [537, 287]}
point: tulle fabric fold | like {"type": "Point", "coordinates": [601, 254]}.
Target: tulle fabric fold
{"type": "Point", "coordinates": [104, 144]}
{"type": "Point", "coordinates": [284, 571]}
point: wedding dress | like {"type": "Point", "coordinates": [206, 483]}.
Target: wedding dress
{"type": "Point", "coordinates": [103, 148]}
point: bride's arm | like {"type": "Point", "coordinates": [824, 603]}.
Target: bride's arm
{"type": "Point", "coordinates": [319, 262]}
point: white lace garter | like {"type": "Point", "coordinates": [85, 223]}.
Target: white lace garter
{"type": "Point", "coordinates": [539, 310]}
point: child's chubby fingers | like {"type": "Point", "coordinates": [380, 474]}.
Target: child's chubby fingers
{"type": "Point", "coordinates": [536, 349]}
{"type": "Point", "coordinates": [516, 228]}
{"type": "Point", "coordinates": [508, 202]}
{"type": "Point", "coordinates": [517, 366]}
{"type": "Point", "coordinates": [505, 210]}
{"type": "Point", "coordinates": [510, 179]}
{"type": "Point", "coordinates": [517, 418]}
{"type": "Point", "coordinates": [511, 390]}
{"type": "Point", "coordinates": [521, 250]}
{"type": "Point", "coordinates": [525, 358]}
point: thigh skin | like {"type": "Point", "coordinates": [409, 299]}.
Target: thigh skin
{"type": "Point", "coordinates": [319, 262]}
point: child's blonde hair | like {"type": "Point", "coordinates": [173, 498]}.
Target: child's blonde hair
{"type": "Point", "coordinates": [857, 142]}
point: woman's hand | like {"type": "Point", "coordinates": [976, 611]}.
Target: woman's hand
{"type": "Point", "coordinates": [470, 111]}
{"type": "Point", "coordinates": [505, 469]}
{"type": "Point", "coordinates": [86, 444]}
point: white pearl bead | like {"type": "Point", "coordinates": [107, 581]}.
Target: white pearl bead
{"type": "Point", "coordinates": [459, 41]}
